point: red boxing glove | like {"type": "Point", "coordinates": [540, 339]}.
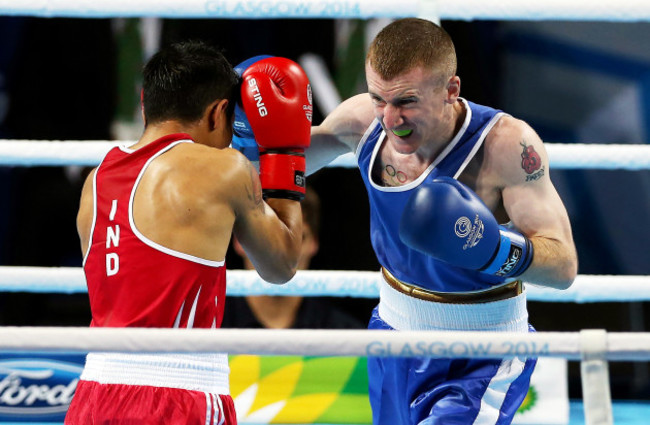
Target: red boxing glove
{"type": "Point", "coordinates": [276, 97]}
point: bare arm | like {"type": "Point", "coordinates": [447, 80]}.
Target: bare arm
{"type": "Point", "coordinates": [270, 232]}
{"type": "Point", "coordinates": [85, 214]}
{"type": "Point", "coordinates": [532, 202]}
{"type": "Point", "coordinates": [340, 132]}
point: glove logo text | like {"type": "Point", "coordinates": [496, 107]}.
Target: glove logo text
{"type": "Point", "coordinates": [299, 179]}
{"type": "Point", "coordinates": [309, 109]}
{"type": "Point", "coordinates": [471, 232]}
{"type": "Point", "coordinates": [261, 108]}
{"type": "Point", "coordinates": [513, 258]}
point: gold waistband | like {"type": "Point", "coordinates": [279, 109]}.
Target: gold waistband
{"type": "Point", "coordinates": [497, 293]}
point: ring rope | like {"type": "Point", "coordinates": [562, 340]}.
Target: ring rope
{"type": "Point", "coordinates": [586, 10]}
{"type": "Point", "coordinates": [90, 152]}
{"type": "Point", "coordinates": [623, 346]}
{"type": "Point", "coordinates": [334, 283]}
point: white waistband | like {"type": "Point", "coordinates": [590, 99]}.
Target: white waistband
{"type": "Point", "coordinates": [403, 312]}
{"type": "Point", "coordinates": [198, 372]}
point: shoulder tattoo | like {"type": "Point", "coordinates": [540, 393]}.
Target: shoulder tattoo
{"type": "Point", "coordinates": [531, 162]}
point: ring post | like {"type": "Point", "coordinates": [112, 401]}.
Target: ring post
{"type": "Point", "coordinates": [594, 372]}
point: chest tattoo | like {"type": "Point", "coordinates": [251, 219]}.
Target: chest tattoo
{"type": "Point", "coordinates": [391, 176]}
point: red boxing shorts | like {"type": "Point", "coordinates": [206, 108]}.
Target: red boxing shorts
{"type": "Point", "coordinates": [96, 403]}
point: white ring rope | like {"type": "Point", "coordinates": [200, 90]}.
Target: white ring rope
{"type": "Point", "coordinates": [336, 283]}
{"type": "Point", "coordinates": [377, 343]}
{"type": "Point", "coordinates": [55, 153]}
{"type": "Point", "coordinates": [90, 153]}
{"type": "Point", "coordinates": [586, 10]}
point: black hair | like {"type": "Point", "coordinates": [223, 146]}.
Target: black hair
{"type": "Point", "coordinates": [181, 80]}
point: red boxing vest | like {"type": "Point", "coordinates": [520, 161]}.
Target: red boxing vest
{"type": "Point", "coordinates": [133, 281]}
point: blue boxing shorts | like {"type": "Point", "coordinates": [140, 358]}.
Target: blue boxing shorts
{"type": "Point", "coordinates": [444, 391]}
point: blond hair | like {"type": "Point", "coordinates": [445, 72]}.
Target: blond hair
{"type": "Point", "coordinates": [407, 43]}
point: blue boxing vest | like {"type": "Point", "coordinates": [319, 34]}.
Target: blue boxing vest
{"type": "Point", "coordinates": [387, 204]}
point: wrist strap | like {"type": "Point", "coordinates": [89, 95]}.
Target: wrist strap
{"type": "Point", "coordinates": [282, 173]}
{"type": "Point", "coordinates": [513, 256]}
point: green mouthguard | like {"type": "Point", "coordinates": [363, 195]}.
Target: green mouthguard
{"type": "Point", "coordinates": [402, 133]}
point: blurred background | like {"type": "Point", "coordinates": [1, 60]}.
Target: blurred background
{"type": "Point", "coordinates": [574, 82]}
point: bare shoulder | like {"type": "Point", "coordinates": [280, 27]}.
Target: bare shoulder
{"type": "Point", "coordinates": [210, 171]}
{"type": "Point", "coordinates": [349, 121]}
{"type": "Point", "coordinates": [515, 152]}
{"type": "Point", "coordinates": [197, 159]}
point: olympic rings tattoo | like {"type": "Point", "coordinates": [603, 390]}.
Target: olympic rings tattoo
{"type": "Point", "coordinates": [400, 176]}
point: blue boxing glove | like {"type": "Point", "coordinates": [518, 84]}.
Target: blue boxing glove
{"type": "Point", "coordinates": [243, 139]}
{"type": "Point", "coordinates": [448, 221]}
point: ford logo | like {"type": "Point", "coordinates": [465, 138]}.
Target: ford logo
{"type": "Point", "coordinates": [32, 387]}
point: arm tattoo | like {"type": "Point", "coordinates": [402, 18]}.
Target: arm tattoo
{"type": "Point", "coordinates": [256, 196]}
{"type": "Point", "coordinates": [531, 162]}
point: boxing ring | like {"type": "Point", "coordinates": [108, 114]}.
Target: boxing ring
{"type": "Point", "coordinates": [594, 349]}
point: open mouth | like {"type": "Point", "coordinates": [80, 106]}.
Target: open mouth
{"type": "Point", "coordinates": [402, 133]}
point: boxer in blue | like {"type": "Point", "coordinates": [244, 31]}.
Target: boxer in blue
{"type": "Point", "coordinates": [462, 211]}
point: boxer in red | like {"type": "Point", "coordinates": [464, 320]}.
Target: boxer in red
{"type": "Point", "coordinates": [155, 220]}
